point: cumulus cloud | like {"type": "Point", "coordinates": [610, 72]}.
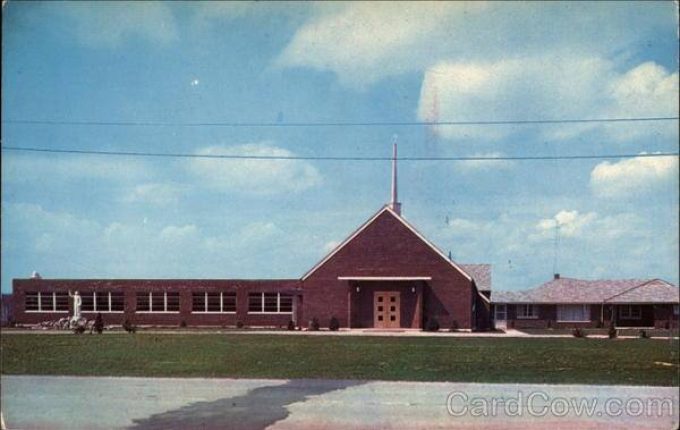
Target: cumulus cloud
{"type": "Point", "coordinates": [258, 176]}
{"type": "Point", "coordinates": [547, 87]}
{"type": "Point", "coordinates": [570, 223]}
{"type": "Point", "coordinates": [633, 176]}
{"type": "Point", "coordinates": [364, 42]}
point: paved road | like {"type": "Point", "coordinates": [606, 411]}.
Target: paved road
{"type": "Point", "coordinates": [44, 402]}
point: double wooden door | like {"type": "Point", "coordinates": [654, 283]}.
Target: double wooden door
{"type": "Point", "coordinates": [386, 309]}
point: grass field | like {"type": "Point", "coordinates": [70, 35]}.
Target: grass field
{"type": "Point", "coordinates": [560, 361]}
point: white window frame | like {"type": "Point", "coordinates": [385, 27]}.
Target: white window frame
{"type": "Point", "coordinates": [278, 304]}
{"type": "Point", "coordinates": [165, 304]}
{"type": "Point", "coordinates": [526, 315]}
{"type": "Point", "coordinates": [628, 315]}
{"type": "Point", "coordinates": [40, 309]}
{"type": "Point", "coordinates": [205, 303]}
{"type": "Point", "coordinates": [586, 313]}
{"type": "Point", "coordinates": [106, 310]}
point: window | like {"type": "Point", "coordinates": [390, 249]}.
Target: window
{"type": "Point", "coordinates": [676, 309]}
{"type": "Point", "coordinates": [157, 301]}
{"type": "Point", "coordinates": [630, 312]}
{"type": "Point", "coordinates": [527, 311]}
{"type": "Point", "coordinates": [573, 313]}
{"type": "Point", "coordinates": [213, 302]}
{"type": "Point", "coordinates": [103, 301]}
{"type": "Point", "coordinates": [500, 313]}
{"type": "Point", "coordinates": [46, 302]}
{"type": "Point", "coordinates": [270, 303]}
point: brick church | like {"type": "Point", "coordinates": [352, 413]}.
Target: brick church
{"type": "Point", "coordinates": [385, 275]}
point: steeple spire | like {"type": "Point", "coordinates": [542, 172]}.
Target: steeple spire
{"type": "Point", "coordinates": [394, 202]}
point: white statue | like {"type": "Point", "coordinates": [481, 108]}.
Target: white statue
{"type": "Point", "coordinates": [77, 304]}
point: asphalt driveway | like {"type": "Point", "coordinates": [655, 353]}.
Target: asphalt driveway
{"type": "Point", "coordinates": [61, 402]}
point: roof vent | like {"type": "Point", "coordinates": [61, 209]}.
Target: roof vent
{"type": "Point", "coordinates": [35, 275]}
{"type": "Point", "coordinates": [557, 276]}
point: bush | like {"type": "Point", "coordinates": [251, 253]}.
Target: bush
{"type": "Point", "coordinates": [612, 331]}
{"type": "Point", "coordinates": [578, 332]}
{"type": "Point", "coordinates": [182, 324]}
{"type": "Point", "coordinates": [454, 326]}
{"type": "Point", "coordinates": [291, 325]}
{"type": "Point", "coordinates": [239, 324]}
{"type": "Point", "coordinates": [99, 323]}
{"type": "Point", "coordinates": [79, 329]}
{"type": "Point", "coordinates": [129, 327]}
{"type": "Point", "coordinates": [334, 325]}
{"type": "Point", "coordinates": [314, 324]}
{"type": "Point", "coordinates": [432, 324]}
{"type": "Point", "coordinates": [643, 334]}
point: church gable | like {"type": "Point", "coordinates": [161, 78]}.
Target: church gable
{"type": "Point", "coordinates": [386, 245]}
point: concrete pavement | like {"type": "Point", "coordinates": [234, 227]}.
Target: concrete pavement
{"type": "Point", "coordinates": [61, 402]}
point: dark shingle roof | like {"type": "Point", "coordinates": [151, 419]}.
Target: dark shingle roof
{"type": "Point", "coordinates": [569, 290]}
{"type": "Point", "coordinates": [481, 273]}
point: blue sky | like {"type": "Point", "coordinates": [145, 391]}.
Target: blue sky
{"type": "Point", "coordinates": [83, 216]}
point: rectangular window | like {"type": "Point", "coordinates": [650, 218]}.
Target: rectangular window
{"type": "Point", "coordinates": [500, 313]}
{"type": "Point", "coordinates": [46, 301]}
{"type": "Point", "coordinates": [158, 301]}
{"type": "Point", "coordinates": [676, 309]}
{"type": "Point", "coordinates": [61, 301]}
{"type": "Point", "coordinates": [573, 313]}
{"type": "Point", "coordinates": [630, 312]}
{"type": "Point", "coordinates": [270, 303]}
{"type": "Point", "coordinates": [117, 301]}
{"type": "Point", "coordinates": [527, 311]}
{"type": "Point", "coordinates": [103, 301]}
{"type": "Point", "coordinates": [32, 302]}
{"type": "Point", "coordinates": [88, 302]}
{"type": "Point", "coordinates": [213, 302]}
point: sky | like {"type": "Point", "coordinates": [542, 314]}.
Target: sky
{"type": "Point", "coordinates": [93, 216]}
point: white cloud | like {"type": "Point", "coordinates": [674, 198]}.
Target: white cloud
{"type": "Point", "coordinates": [547, 87]}
{"type": "Point", "coordinates": [158, 194]}
{"type": "Point", "coordinates": [330, 245]}
{"type": "Point", "coordinates": [109, 24]}
{"type": "Point", "coordinates": [256, 176]}
{"type": "Point", "coordinates": [364, 42]}
{"type": "Point", "coordinates": [570, 223]}
{"type": "Point", "coordinates": [633, 176]}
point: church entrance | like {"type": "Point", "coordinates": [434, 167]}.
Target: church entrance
{"type": "Point", "coordinates": [387, 309]}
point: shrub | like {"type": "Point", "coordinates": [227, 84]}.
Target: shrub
{"type": "Point", "coordinates": [291, 325]}
{"type": "Point", "coordinates": [612, 331]}
{"type": "Point", "coordinates": [239, 324]}
{"type": "Point", "coordinates": [334, 325]}
{"type": "Point", "coordinates": [578, 332]}
{"type": "Point", "coordinates": [129, 327]}
{"type": "Point", "coordinates": [79, 329]}
{"type": "Point", "coordinates": [99, 323]}
{"type": "Point", "coordinates": [314, 324]}
{"type": "Point", "coordinates": [643, 334]}
{"type": "Point", "coordinates": [432, 324]}
{"type": "Point", "coordinates": [454, 326]}
{"type": "Point", "coordinates": [182, 324]}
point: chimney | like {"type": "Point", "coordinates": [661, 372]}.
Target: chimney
{"type": "Point", "coordinates": [394, 202]}
{"type": "Point", "coordinates": [557, 276]}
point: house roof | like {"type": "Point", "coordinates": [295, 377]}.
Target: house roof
{"type": "Point", "coordinates": [569, 290]}
{"type": "Point", "coordinates": [481, 273]}
{"type": "Point", "coordinates": [369, 222]}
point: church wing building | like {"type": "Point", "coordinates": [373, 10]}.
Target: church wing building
{"type": "Point", "coordinates": [385, 275]}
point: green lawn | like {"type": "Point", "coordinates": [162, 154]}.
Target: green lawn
{"type": "Point", "coordinates": [565, 360]}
